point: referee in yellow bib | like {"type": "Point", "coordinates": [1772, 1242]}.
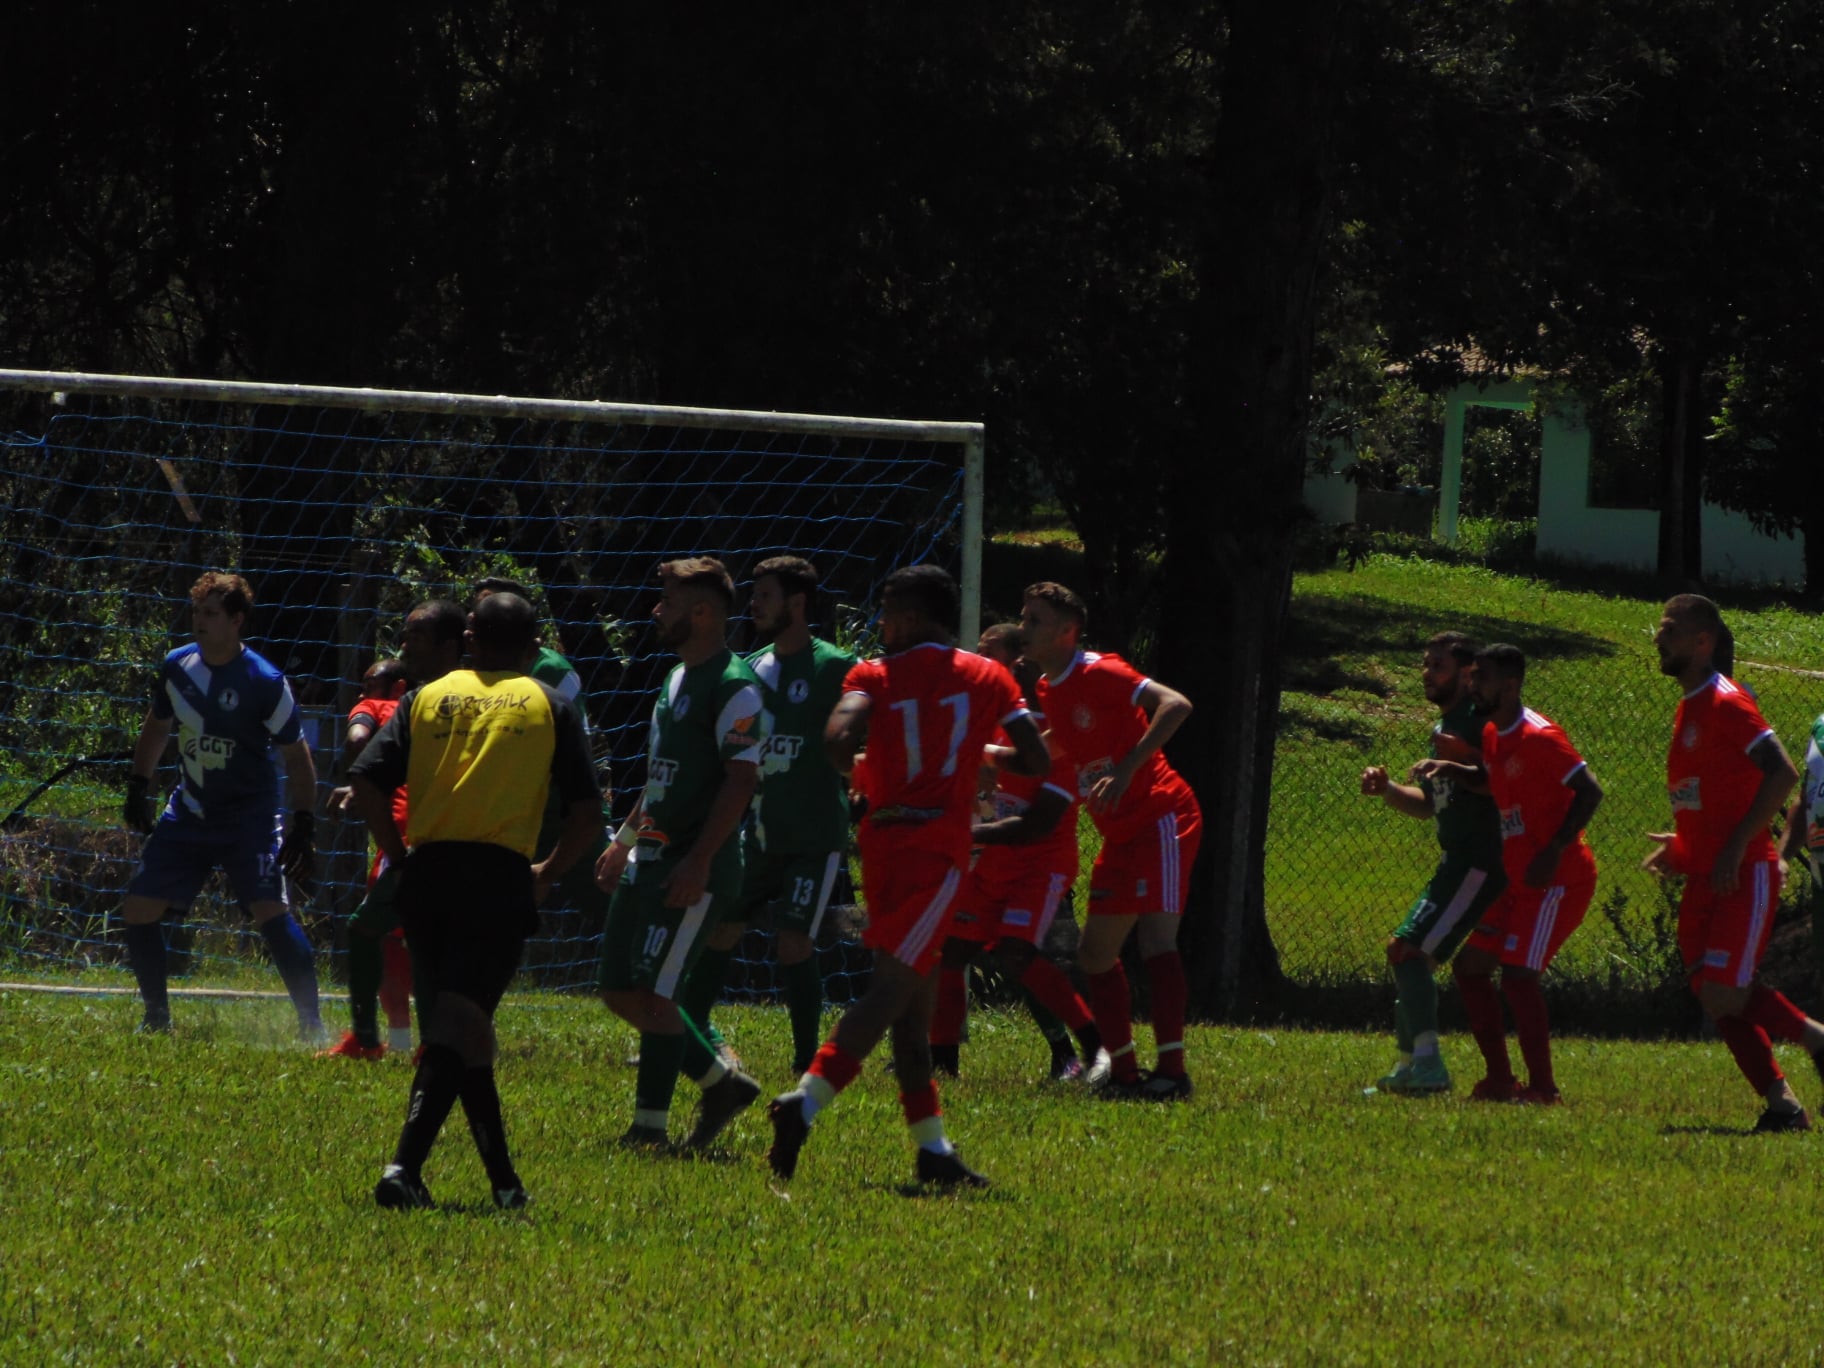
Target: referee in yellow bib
{"type": "Point", "coordinates": [478, 750]}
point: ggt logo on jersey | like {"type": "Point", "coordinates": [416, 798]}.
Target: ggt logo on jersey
{"type": "Point", "coordinates": [208, 752]}
{"type": "Point", "coordinates": [777, 755]}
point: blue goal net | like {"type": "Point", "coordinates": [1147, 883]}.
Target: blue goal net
{"type": "Point", "coordinates": [344, 509]}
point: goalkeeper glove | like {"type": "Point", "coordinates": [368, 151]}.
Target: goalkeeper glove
{"type": "Point", "coordinates": [138, 813]}
{"type": "Point", "coordinates": [297, 851]}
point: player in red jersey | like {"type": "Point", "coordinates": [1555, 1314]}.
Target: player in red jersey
{"type": "Point", "coordinates": [924, 712]}
{"type": "Point", "coordinates": [1546, 795]}
{"type": "Point", "coordinates": [1111, 722]}
{"type": "Point", "coordinates": [1728, 776]}
{"type": "Point", "coordinates": [1011, 895]}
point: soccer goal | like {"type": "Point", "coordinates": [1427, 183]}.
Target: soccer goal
{"type": "Point", "coordinates": [344, 507]}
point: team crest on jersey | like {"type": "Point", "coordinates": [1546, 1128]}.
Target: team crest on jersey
{"type": "Point", "coordinates": [228, 700]}
{"type": "Point", "coordinates": [798, 690]}
{"type": "Point", "coordinates": [1513, 767]}
{"type": "Point", "coordinates": [682, 707]}
{"type": "Point", "coordinates": [1083, 717]}
{"type": "Point", "coordinates": [1689, 739]}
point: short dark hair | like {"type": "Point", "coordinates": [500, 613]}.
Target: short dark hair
{"type": "Point", "coordinates": [499, 584]}
{"type": "Point", "coordinates": [237, 594]}
{"type": "Point", "coordinates": [930, 590]}
{"type": "Point", "coordinates": [795, 574]}
{"type": "Point", "coordinates": [504, 622]}
{"type": "Point", "coordinates": [448, 621]}
{"type": "Point", "coordinates": [1697, 611]}
{"type": "Point", "coordinates": [1062, 598]}
{"type": "Point", "coordinates": [700, 572]}
{"type": "Point", "coordinates": [388, 670]}
{"type": "Point", "coordinates": [1461, 647]}
{"type": "Point", "coordinates": [1507, 661]}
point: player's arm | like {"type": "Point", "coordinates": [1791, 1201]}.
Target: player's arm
{"type": "Point", "coordinates": [1166, 711]}
{"type": "Point", "coordinates": [1037, 822]}
{"type": "Point", "coordinates": [1474, 778]}
{"type": "Point", "coordinates": [1778, 775]}
{"type": "Point", "coordinates": [1406, 798]}
{"type": "Point", "coordinates": [154, 732]}
{"type": "Point", "coordinates": [1586, 797]}
{"type": "Point", "coordinates": [1031, 756]}
{"type": "Point", "coordinates": [612, 863]}
{"type": "Point", "coordinates": [374, 777]}
{"type": "Point", "coordinates": [688, 882]}
{"type": "Point", "coordinates": [574, 780]}
{"type": "Point", "coordinates": [360, 730]}
{"type": "Point", "coordinates": [1792, 840]}
{"type": "Point", "coordinates": [846, 733]}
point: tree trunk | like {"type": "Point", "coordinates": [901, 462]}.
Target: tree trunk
{"type": "Point", "coordinates": [1231, 509]}
{"type": "Point", "coordinates": [1681, 513]}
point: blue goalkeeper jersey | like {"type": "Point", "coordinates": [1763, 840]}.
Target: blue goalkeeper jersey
{"type": "Point", "coordinates": [229, 719]}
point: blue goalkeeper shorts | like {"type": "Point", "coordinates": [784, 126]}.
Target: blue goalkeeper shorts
{"type": "Point", "coordinates": [181, 853]}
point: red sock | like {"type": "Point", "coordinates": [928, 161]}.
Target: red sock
{"type": "Point", "coordinates": [1483, 1008]}
{"type": "Point", "coordinates": [1165, 975]}
{"type": "Point", "coordinates": [1055, 992]}
{"type": "Point", "coordinates": [835, 1066]}
{"type": "Point", "coordinates": [952, 1006]}
{"type": "Point", "coordinates": [1753, 1052]}
{"type": "Point", "coordinates": [920, 1104]}
{"type": "Point", "coordinates": [1114, 1009]}
{"type": "Point", "coordinates": [1527, 1003]}
{"type": "Point", "coordinates": [1774, 1014]}
{"type": "Point", "coordinates": [396, 982]}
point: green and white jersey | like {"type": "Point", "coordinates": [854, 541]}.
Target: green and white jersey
{"type": "Point", "coordinates": [1469, 824]}
{"type": "Point", "coordinates": [1814, 800]}
{"type": "Point", "coordinates": [706, 716]}
{"type": "Point", "coordinates": [803, 803]}
{"type": "Point", "coordinates": [551, 668]}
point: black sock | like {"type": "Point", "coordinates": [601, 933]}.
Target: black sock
{"type": "Point", "coordinates": [947, 1059]}
{"type": "Point", "coordinates": [1089, 1041]}
{"type": "Point", "coordinates": [481, 1104]}
{"type": "Point", "coordinates": [434, 1091]}
{"type": "Point", "coordinates": [146, 953]}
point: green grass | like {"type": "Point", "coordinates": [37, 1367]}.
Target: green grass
{"type": "Point", "coordinates": [205, 1198]}
{"type": "Point", "coordinates": [1341, 869]}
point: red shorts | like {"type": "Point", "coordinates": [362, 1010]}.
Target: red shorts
{"type": "Point", "coordinates": [1721, 936]}
{"type": "Point", "coordinates": [1149, 871]}
{"type": "Point", "coordinates": [1005, 899]}
{"type": "Point", "coordinates": [1526, 926]}
{"type": "Point", "coordinates": [911, 898]}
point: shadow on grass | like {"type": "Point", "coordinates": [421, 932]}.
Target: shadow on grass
{"type": "Point", "coordinates": [1727, 1132]}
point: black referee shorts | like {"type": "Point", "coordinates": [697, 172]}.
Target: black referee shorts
{"type": "Point", "coordinates": [467, 908]}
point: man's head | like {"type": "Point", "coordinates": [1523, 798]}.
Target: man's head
{"type": "Point", "coordinates": [696, 596]}
{"type": "Point", "coordinates": [1498, 675]}
{"type": "Point", "coordinates": [503, 632]}
{"type": "Point", "coordinates": [783, 589]}
{"type": "Point", "coordinates": [1002, 643]}
{"type": "Point", "coordinates": [919, 603]}
{"type": "Point", "coordinates": [1691, 634]}
{"type": "Point", "coordinates": [1052, 619]}
{"type": "Point", "coordinates": [430, 643]}
{"type": "Point", "coordinates": [1444, 668]}
{"type": "Point", "coordinates": [497, 584]}
{"type": "Point", "coordinates": [385, 678]}
{"type": "Point", "coordinates": [219, 605]}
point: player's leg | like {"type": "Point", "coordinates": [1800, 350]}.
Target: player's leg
{"type": "Point", "coordinates": [437, 1081]}
{"type": "Point", "coordinates": [909, 918]}
{"type": "Point", "coordinates": [798, 913]}
{"type": "Point", "coordinates": [146, 954]}
{"type": "Point", "coordinates": [174, 864]}
{"type": "Point", "coordinates": [938, 1161]}
{"type": "Point", "coordinates": [1552, 914]}
{"type": "Point", "coordinates": [1028, 910]}
{"type": "Point", "coordinates": [1174, 847]}
{"type": "Point", "coordinates": [702, 986]}
{"type": "Point", "coordinates": [950, 1002]}
{"type": "Point", "coordinates": [252, 866]}
{"type": "Point", "coordinates": [374, 918]}
{"type": "Point", "coordinates": [1099, 957]}
{"type": "Point", "coordinates": [1474, 970]}
{"type": "Point", "coordinates": [396, 990]}
{"type": "Point", "coordinates": [1458, 897]}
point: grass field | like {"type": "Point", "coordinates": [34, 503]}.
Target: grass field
{"type": "Point", "coordinates": [1341, 869]}
{"type": "Point", "coordinates": [205, 1198]}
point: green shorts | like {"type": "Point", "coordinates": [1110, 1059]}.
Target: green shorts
{"type": "Point", "coordinates": [1451, 905]}
{"type": "Point", "coordinates": [646, 944]}
{"type": "Point", "coordinates": [788, 892]}
{"type": "Point", "coordinates": [378, 913]}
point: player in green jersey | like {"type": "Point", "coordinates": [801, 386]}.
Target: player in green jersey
{"type": "Point", "coordinates": [676, 864]}
{"type": "Point", "coordinates": [1468, 878]}
{"type": "Point", "coordinates": [1803, 842]}
{"type": "Point", "coordinates": [798, 839]}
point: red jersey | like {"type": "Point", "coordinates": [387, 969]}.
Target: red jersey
{"type": "Point", "coordinates": [1530, 766]}
{"type": "Point", "coordinates": [934, 708]}
{"type": "Point", "coordinates": [1013, 794]}
{"type": "Point", "coordinates": [375, 712]}
{"type": "Point", "coordinates": [1096, 719]}
{"type": "Point", "coordinates": [1709, 775]}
